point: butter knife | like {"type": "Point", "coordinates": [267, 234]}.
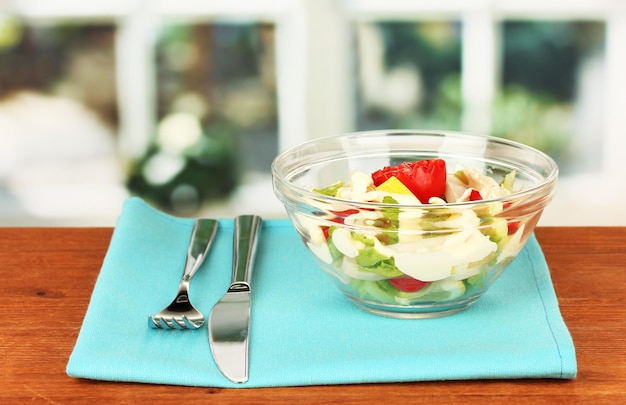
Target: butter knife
{"type": "Point", "coordinates": [229, 321]}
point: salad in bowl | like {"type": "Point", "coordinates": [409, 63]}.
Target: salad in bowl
{"type": "Point", "coordinates": [414, 224]}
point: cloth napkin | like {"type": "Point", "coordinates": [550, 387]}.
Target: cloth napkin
{"type": "Point", "coordinates": [303, 330]}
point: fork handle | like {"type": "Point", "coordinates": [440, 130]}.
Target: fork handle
{"type": "Point", "coordinates": [202, 236]}
{"type": "Point", "coordinates": [247, 228]}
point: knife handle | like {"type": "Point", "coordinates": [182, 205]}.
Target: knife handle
{"type": "Point", "coordinates": [246, 233]}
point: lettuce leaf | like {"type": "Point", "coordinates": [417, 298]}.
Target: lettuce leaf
{"type": "Point", "coordinates": [331, 190]}
{"type": "Point", "coordinates": [369, 259]}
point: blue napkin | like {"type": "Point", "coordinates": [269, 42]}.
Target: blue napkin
{"type": "Point", "coordinates": [303, 330]}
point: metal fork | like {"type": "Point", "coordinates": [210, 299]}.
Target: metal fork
{"type": "Point", "coordinates": [181, 314]}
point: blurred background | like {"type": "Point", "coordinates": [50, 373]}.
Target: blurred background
{"type": "Point", "coordinates": [185, 103]}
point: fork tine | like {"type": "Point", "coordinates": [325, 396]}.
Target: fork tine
{"type": "Point", "coordinates": [159, 322]}
{"type": "Point", "coordinates": [154, 322]}
{"type": "Point", "coordinates": [169, 322]}
{"type": "Point", "coordinates": [180, 322]}
{"type": "Point", "coordinates": [185, 322]}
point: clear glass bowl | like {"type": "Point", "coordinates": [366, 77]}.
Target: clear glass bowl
{"type": "Point", "coordinates": [367, 255]}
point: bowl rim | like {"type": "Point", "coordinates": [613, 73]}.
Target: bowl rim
{"type": "Point", "coordinates": [549, 179]}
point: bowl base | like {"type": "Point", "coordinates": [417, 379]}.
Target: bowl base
{"type": "Point", "coordinates": [424, 311]}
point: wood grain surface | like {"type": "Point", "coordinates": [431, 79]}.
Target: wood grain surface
{"type": "Point", "coordinates": [47, 276]}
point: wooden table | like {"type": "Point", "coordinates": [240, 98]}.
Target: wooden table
{"type": "Point", "coordinates": [47, 276]}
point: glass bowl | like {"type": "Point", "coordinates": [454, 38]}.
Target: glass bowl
{"type": "Point", "coordinates": [394, 255]}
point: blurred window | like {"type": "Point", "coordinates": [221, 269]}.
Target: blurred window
{"type": "Point", "coordinates": [223, 74]}
{"type": "Point", "coordinates": [58, 123]}
{"type": "Point", "coordinates": [186, 103]}
{"type": "Point", "coordinates": [552, 89]}
{"type": "Point", "coordinates": [409, 75]}
{"type": "Point", "coordinates": [74, 60]}
{"type": "Point", "coordinates": [216, 113]}
{"type": "Point", "coordinates": [550, 85]}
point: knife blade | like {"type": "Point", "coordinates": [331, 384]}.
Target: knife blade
{"type": "Point", "coordinates": [229, 321]}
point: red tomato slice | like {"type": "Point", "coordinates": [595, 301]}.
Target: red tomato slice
{"type": "Point", "coordinates": [341, 215]}
{"type": "Point", "coordinates": [475, 195]}
{"type": "Point", "coordinates": [425, 178]}
{"type": "Point", "coordinates": [407, 284]}
{"type": "Point", "coordinates": [325, 230]}
{"type": "Point", "coordinates": [512, 227]}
